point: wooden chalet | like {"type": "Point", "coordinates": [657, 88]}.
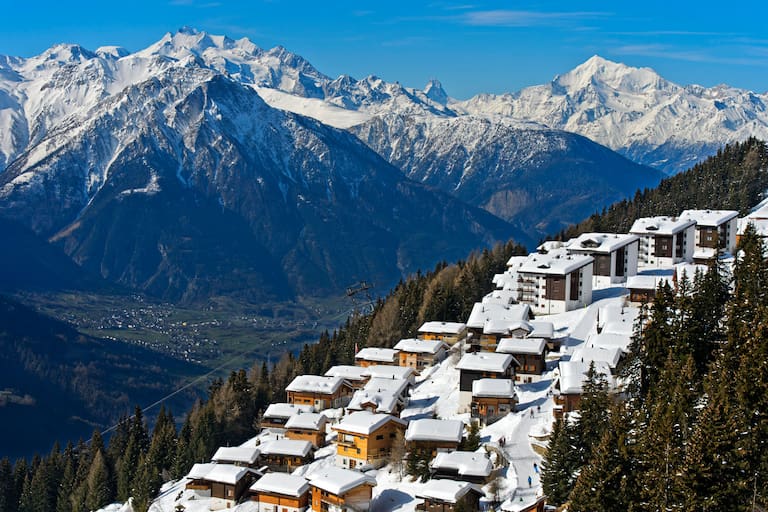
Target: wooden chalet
{"type": "Point", "coordinates": [237, 455]}
{"type": "Point", "coordinates": [225, 482]}
{"type": "Point", "coordinates": [473, 467]}
{"type": "Point", "coordinates": [357, 376]}
{"type": "Point", "coordinates": [447, 332]}
{"type": "Point", "coordinates": [309, 426]}
{"type": "Point", "coordinates": [530, 354]}
{"type": "Point", "coordinates": [341, 490]}
{"type": "Point", "coordinates": [418, 354]}
{"type": "Point", "coordinates": [434, 435]}
{"type": "Point", "coordinates": [448, 495]}
{"type": "Point", "coordinates": [373, 356]}
{"type": "Point", "coordinates": [277, 415]}
{"type": "Point", "coordinates": [286, 454]}
{"type": "Point", "coordinates": [642, 288]}
{"type": "Point", "coordinates": [280, 492]}
{"type": "Point", "coordinates": [481, 365]}
{"type": "Point", "coordinates": [366, 439]}
{"type": "Point", "coordinates": [489, 322]}
{"type": "Point", "coordinates": [319, 392]}
{"type": "Point", "coordinates": [492, 399]}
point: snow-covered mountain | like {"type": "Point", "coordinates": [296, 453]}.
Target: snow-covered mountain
{"type": "Point", "coordinates": [635, 112]}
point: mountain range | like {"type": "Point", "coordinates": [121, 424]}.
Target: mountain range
{"type": "Point", "coordinates": [203, 165]}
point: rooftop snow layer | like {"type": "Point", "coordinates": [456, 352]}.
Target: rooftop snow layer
{"type": "Point", "coordinates": [574, 373]}
{"type": "Point", "coordinates": [384, 400]}
{"type": "Point", "coordinates": [420, 346]}
{"type": "Point", "coordinates": [600, 242]}
{"type": "Point", "coordinates": [245, 454]}
{"type": "Point", "coordinates": [199, 470]}
{"type": "Point", "coordinates": [306, 421]}
{"type": "Point", "coordinates": [290, 447]}
{"type": "Point", "coordinates": [384, 355]}
{"type": "Point", "coordinates": [482, 313]}
{"type": "Point", "coordinates": [465, 463]}
{"type": "Point", "coordinates": [282, 410]}
{"type": "Point", "coordinates": [315, 384]}
{"type": "Point", "coordinates": [339, 481]}
{"type": "Point", "coordinates": [365, 422]}
{"type": "Point", "coordinates": [427, 429]}
{"type": "Point", "coordinates": [443, 327]}
{"type": "Point", "coordinates": [445, 490]}
{"type": "Point", "coordinates": [521, 346]}
{"type": "Point", "coordinates": [485, 361]}
{"type": "Point", "coordinates": [709, 218]}
{"type": "Point", "coordinates": [281, 483]}
{"type": "Point", "coordinates": [557, 262]}
{"type": "Point", "coordinates": [349, 372]}
{"type": "Point", "coordinates": [226, 473]}
{"type": "Point", "coordinates": [608, 355]}
{"type": "Point", "coordinates": [391, 372]}
{"type": "Point", "coordinates": [660, 225]}
{"type": "Point", "coordinates": [647, 282]}
{"type": "Point", "coordinates": [501, 388]}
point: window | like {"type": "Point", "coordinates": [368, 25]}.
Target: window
{"type": "Point", "coordinates": [380, 437]}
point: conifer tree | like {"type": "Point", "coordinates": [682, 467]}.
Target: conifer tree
{"type": "Point", "coordinates": [98, 491]}
{"type": "Point", "coordinates": [560, 465]}
{"type": "Point", "coordinates": [593, 408]}
{"type": "Point", "coordinates": [8, 500]}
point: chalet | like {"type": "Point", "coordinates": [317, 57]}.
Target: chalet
{"type": "Point", "coordinates": [569, 384]}
{"type": "Point", "coordinates": [530, 354]}
{"type": "Point", "coordinates": [308, 426]}
{"type": "Point", "coordinates": [615, 256]}
{"type": "Point", "coordinates": [474, 467]}
{"type": "Point", "coordinates": [532, 504]}
{"type": "Point", "coordinates": [481, 365]}
{"type": "Point", "coordinates": [320, 392]}
{"type": "Point", "coordinates": [280, 492]}
{"type": "Point", "coordinates": [449, 495]}
{"type": "Point", "coordinates": [225, 482]}
{"type": "Point", "coordinates": [286, 454]}
{"type": "Point", "coordinates": [609, 356]}
{"type": "Point", "coordinates": [196, 479]}
{"type": "Point", "coordinates": [237, 455]}
{"type": "Point", "coordinates": [448, 332]}
{"type": "Point", "coordinates": [393, 373]}
{"type": "Point", "coordinates": [488, 323]}
{"type": "Point", "coordinates": [664, 241]}
{"type": "Point", "coordinates": [341, 490]}
{"type": "Point", "coordinates": [555, 282]}
{"type": "Point", "coordinates": [715, 233]}
{"type": "Point", "coordinates": [434, 435]}
{"type": "Point", "coordinates": [492, 399]}
{"type": "Point", "coordinates": [418, 354]}
{"type": "Point", "coordinates": [357, 376]}
{"type": "Point", "coordinates": [388, 396]}
{"type": "Point", "coordinates": [642, 288]}
{"type": "Point", "coordinates": [371, 356]}
{"type": "Point", "coordinates": [366, 439]}
{"type": "Point", "coordinates": [276, 415]}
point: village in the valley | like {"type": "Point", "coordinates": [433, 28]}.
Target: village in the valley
{"type": "Point", "coordinates": [467, 406]}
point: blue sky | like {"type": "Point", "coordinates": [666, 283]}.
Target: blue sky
{"type": "Point", "coordinates": [471, 47]}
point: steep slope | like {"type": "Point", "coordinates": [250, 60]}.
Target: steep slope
{"type": "Point", "coordinates": [636, 112]}
{"type": "Point", "coordinates": [541, 179]}
{"type": "Point", "coordinates": [188, 185]}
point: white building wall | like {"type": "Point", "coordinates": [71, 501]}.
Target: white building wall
{"type": "Point", "coordinates": [730, 231]}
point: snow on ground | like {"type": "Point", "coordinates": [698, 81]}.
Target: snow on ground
{"type": "Point", "coordinates": [312, 107]}
{"type": "Point", "coordinates": [436, 392]}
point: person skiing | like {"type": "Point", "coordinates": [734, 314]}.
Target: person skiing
{"type": "Point", "coordinates": [530, 481]}
{"type": "Point", "coordinates": [536, 468]}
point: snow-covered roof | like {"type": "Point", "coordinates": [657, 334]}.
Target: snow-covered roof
{"type": "Point", "coordinates": [307, 421]}
{"type": "Point", "coordinates": [281, 483]}
{"type": "Point", "coordinates": [443, 327]}
{"type": "Point", "coordinates": [516, 261]}
{"type": "Point", "coordinates": [618, 319]}
{"type": "Point", "coordinates": [244, 454]}
{"type": "Point", "coordinates": [199, 470]}
{"type": "Point", "coordinates": [608, 355]}
{"type": "Point", "coordinates": [397, 386]}
{"type": "Point", "coordinates": [705, 253]}
{"type": "Point", "coordinates": [339, 481]}
{"type": "Point", "coordinates": [610, 340]}
{"type": "Point", "coordinates": [282, 410]}
{"type": "Point", "coordinates": [315, 384]}
{"type": "Point", "coordinates": [391, 372]}
{"type": "Point", "coordinates": [603, 243]}
{"type": "Point", "coordinates": [385, 400]}
{"type": "Point", "coordinates": [482, 313]}
{"type": "Point", "coordinates": [449, 491]}
{"type": "Point", "coordinates": [573, 374]}
{"type": "Point", "coordinates": [349, 372]}
{"type": "Point", "coordinates": [761, 225]}
{"type": "Point", "coordinates": [226, 473]}
{"type": "Point", "coordinates": [542, 329]}
{"type": "Point", "coordinates": [427, 429]}
{"type": "Point", "coordinates": [465, 463]}
{"type": "Point", "coordinates": [647, 282]}
{"type": "Point", "coordinates": [557, 262]}
{"type": "Point", "coordinates": [660, 225]}
{"type": "Point", "coordinates": [290, 447]}
{"type": "Point", "coordinates": [507, 296]}
{"type": "Point", "coordinates": [521, 346]}
{"type": "Point", "coordinates": [365, 422]}
{"type": "Point", "coordinates": [500, 326]}
{"type": "Point", "coordinates": [382, 355]}
{"type": "Point", "coordinates": [709, 218]}
{"type": "Point", "coordinates": [485, 361]}
{"type": "Point", "coordinates": [418, 346]}
{"type": "Point", "coordinates": [501, 388]}
{"type": "Point", "coordinates": [550, 245]}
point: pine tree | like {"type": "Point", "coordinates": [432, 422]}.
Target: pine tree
{"type": "Point", "coordinates": [163, 445]}
{"type": "Point", "coordinates": [472, 441]}
{"type": "Point", "coordinates": [146, 485]}
{"type": "Point", "coordinates": [561, 464]}
{"type": "Point", "coordinates": [98, 491]}
{"type": "Point", "coordinates": [593, 407]}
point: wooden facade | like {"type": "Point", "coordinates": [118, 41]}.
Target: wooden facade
{"type": "Point", "coordinates": [354, 449]}
{"type": "Point", "coordinates": [491, 408]}
{"type": "Point", "coordinates": [284, 462]}
{"type": "Point", "coordinates": [316, 437]}
{"type": "Point", "coordinates": [321, 401]}
{"type": "Point", "coordinates": [470, 502]}
{"type": "Point", "coordinates": [270, 502]}
{"type": "Point", "coordinates": [355, 500]}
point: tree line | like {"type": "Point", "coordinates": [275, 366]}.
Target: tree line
{"type": "Point", "coordinates": [690, 432]}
